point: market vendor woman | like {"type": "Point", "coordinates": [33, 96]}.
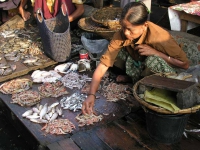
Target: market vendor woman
{"type": "Point", "coordinates": [142, 45]}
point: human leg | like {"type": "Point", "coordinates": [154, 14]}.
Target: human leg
{"type": "Point", "coordinates": [158, 65]}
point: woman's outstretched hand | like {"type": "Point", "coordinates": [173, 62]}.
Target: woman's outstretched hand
{"type": "Point", "coordinates": [88, 105]}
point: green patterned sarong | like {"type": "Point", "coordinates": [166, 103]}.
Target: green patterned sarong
{"type": "Point", "coordinates": [134, 68]}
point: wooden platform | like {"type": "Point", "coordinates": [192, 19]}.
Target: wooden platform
{"type": "Point", "coordinates": [124, 128]}
{"type": "Point", "coordinates": [112, 110]}
{"type": "Point", "coordinates": [23, 69]}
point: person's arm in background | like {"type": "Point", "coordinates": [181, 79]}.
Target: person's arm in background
{"type": "Point", "coordinates": [77, 13]}
{"type": "Point", "coordinates": [25, 14]}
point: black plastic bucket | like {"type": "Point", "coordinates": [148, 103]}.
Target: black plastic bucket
{"type": "Point", "coordinates": [165, 128]}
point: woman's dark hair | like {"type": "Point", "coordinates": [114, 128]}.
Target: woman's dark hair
{"type": "Point", "coordinates": [135, 12]}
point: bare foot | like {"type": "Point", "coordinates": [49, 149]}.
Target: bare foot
{"type": "Point", "coordinates": [123, 78]}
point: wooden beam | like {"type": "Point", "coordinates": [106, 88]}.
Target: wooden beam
{"type": "Point", "coordinates": [98, 3]}
{"type": "Point", "coordinates": [187, 17]}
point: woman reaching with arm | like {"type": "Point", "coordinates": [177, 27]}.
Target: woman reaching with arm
{"type": "Point", "coordinates": [142, 45]}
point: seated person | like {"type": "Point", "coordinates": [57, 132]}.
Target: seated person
{"type": "Point", "coordinates": [8, 9]}
{"type": "Point", "coordinates": [75, 8]}
{"type": "Point", "coordinates": [142, 45]}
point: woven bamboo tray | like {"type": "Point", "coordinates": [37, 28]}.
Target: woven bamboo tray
{"type": "Point", "coordinates": [89, 25]}
{"type": "Point", "coordinates": [108, 16]}
{"type": "Point", "coordinates": [158, 109]}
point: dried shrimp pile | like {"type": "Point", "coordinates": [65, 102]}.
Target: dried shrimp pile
{"type": "Point", "coordinates": [15, 86]}
{"type": "Point", "coordinates": [26, 98]}
{"type": "Point", "coordinates": [59, 126]}
{"type": "Point", "coordinates": [86, 88]}
{"type": "Point", "coordinates": [52, 89]}
{"type": "Point", "coordinates": [88, 119]}
{"type": "Point", "coordinates": [73, 102]}
{"type": "Point", "coordinates": [74, 80]}
{"type": "Point", "coordinates": [114, 92]}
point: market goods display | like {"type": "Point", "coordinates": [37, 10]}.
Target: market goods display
{"type": "Point", "coordinates": [43, 113]}
{"type": "Point", "coordinates": [52, 89]}
{"type": "Point", "coordinates": [26, 98]}
{"type": "Point", "coordinates": [74, 80]}
{"type": "Point", "coordinates": [112, 20]}
{"type": "Point", "coordinates": [73, 102]}
{"type": "Point", "coordinates": [6, 69]}
{"type": "Point", "coordinates": [88, 119]}
{"type": "Point", "coordinates": [16, 86]}
{"type": "Point", "coordinates": [39, 76]}
{"type": "Point", "coordinates": [22, 45]}
{"type": "Point", "coordinates": [114, 92]}
{"type": "Point", "coordinates": [59, 126]}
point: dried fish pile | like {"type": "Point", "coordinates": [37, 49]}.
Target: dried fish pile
{"type": "Point", "coordinates": [43, 113]}
{"type": "Point", "coordinates": [63, 68]}
{"type": "Point", "coordinates": [45, 76]}
{"type": "Point", "coordinates": [74, 80]}
{"type": "Point", "coordinates": [66, 67]}
{"type": "Point", "coordinates": [114, 92]}
{"type": "Point", "coordinates": [22, 45]}
{"type": "Point", "coordinates": [6, 69]}
{"type": "Point", "coordinates": [52, 89]}
{"type": "Point", "coordinates": [88, 119]}
{"type": "Point", "coordinates": [26, 98]}
{"type": "Point", "coordinates": [59, 126]}
{"type": "Point", "coordinates": [73, 102]}
{"type": "Point", "coordinates": [16, 86]}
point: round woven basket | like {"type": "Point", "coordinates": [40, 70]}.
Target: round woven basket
{"type": "Point", "coordinates": [160, 109]}
{"type": "Point", "coordinates": [108, 16]}
{"type": "Point", "coordinates": [89, 25]}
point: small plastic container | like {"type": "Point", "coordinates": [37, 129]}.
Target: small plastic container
{"type": "Point", "coordinates": [83, 54]}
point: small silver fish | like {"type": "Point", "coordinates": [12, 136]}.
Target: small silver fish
{"type": "Point", "coordinates": [43, 111]}
{"type": "Point", "coordinates": [47, 116]}
{"type": "Point", "coordinates": [7, 71]}
{"type": "Point", "coordinates": [27, 113]}
{"type": "Point", "coordinates": [39, 120]}
{"type": "Point", "coordinates": [35, 110]}
{"type": "Point", "coordinates": [30, 60]}
{"type": "Point", "coordinates": [54, 116]}
{"type": "Point", "coordinates": [1, 71]}
{"type": "Point", "coordinates": [33, 116]}
{"type": "Point", "coordinates": [54, 104]}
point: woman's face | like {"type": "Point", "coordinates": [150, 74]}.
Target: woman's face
{"type": "Point", "coordinates": [132, 31]}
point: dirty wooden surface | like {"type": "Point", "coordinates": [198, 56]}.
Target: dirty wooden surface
{"type": "Point", "coordinates": [15, 22]}
{"type": "Point", "coordinates": [23, 69]}
{"type": "Point", "coordinates": [167, 83]}
{"type": "Point", "coordinates": [124, 128]}
{"type": "Point", "coordinates": [112, 110]}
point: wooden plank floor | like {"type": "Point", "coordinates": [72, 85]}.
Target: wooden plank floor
{"type": "Point", "coordinates": [126, 133]}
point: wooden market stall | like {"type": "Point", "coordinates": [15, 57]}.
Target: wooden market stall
{"type": "Point", "coordinates": [123, 126]}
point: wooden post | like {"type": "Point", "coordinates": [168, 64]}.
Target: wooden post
{"type": "Point", "coordinates": [98, 3]}
{"type": "Point", "coordinates": [188, 17]}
